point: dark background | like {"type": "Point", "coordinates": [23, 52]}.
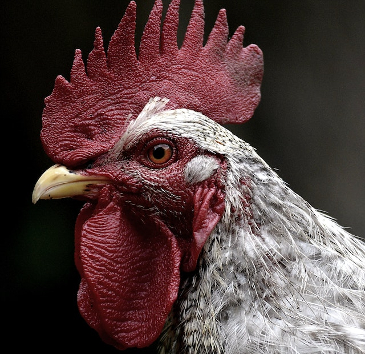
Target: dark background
{"type": "Point", "coordinates": [310, 125]}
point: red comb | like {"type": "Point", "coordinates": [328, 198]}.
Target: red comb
{"type": "Point", "coordinates": [85, 117]}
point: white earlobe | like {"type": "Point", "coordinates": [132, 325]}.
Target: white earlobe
{"type": "Point", "coordinates": [200, 168]}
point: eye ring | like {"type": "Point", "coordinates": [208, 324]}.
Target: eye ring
{"type": "Point", "coordinates": [160, 153]}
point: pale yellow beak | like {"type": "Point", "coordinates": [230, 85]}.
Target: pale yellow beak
{"type": "Point", "coordinates": [60, 182]}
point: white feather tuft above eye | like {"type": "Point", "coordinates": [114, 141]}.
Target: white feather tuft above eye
{"type": "Point", "coordinates": [200, 168]}
{"type": "Point", "coordinates": [154, 106]}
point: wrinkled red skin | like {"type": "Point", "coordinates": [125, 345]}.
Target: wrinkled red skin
{"type": "Point", "coordinates": [85, 116]}
{"type": "Point", "coordinates": [130, 276]}
{"type": "Point", "coordinates": [147, 225]}
{"type": "Point", "coordinates": [132, 243]}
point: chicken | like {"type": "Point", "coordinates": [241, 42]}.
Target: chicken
{"type": "Point", "coordinates": [187, 238]}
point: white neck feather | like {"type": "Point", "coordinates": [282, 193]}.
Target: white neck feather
{"type": "Point", "coordinates": [276, 276]}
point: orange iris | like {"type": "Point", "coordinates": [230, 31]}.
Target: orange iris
{"type": "Point", "coordinates": [160, 153]}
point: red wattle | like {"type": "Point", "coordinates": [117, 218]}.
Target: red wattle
{"type": "Point", "coordinates": [130, 272]}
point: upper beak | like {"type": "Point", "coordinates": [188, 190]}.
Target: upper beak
{"type": "Point", "coordinates": [60, 182]}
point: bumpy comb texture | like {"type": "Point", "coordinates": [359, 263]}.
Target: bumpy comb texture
{"type": "Point", "coordinates": [83, 118]}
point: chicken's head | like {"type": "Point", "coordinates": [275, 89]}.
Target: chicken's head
{"type": "Point", "coordinates": [131, 137]}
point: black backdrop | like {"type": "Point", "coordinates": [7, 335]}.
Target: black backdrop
{"type": "Point", "coordinates": [310, 125]}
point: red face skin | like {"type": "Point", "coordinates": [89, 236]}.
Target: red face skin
{"type": "Point", "coordinates": [132, 242]}
{"type": "Point", "coordinates": [147, 224]}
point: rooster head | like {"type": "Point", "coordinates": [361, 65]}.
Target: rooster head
{"type": "Point", "coordinates": [124, 136]}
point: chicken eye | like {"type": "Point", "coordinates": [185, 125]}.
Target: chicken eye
{"type": "Point", "coordinates": [160, 153]}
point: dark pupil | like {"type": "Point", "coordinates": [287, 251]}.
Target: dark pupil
{"type": "Point", "coordinates": [159, 151]}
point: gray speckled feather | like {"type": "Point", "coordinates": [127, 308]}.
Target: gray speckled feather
{"type": "Point", "coordinates": [276, 275]}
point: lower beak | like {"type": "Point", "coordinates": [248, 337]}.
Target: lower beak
{"type": "Point", "coordinates": [60, 182]}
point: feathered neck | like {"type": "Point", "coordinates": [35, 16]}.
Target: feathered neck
{"type": "Point", "coordinates": [276, 275]}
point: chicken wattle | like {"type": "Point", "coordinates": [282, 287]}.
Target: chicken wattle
{"type": "Point", "coordinates": [187, 237]}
